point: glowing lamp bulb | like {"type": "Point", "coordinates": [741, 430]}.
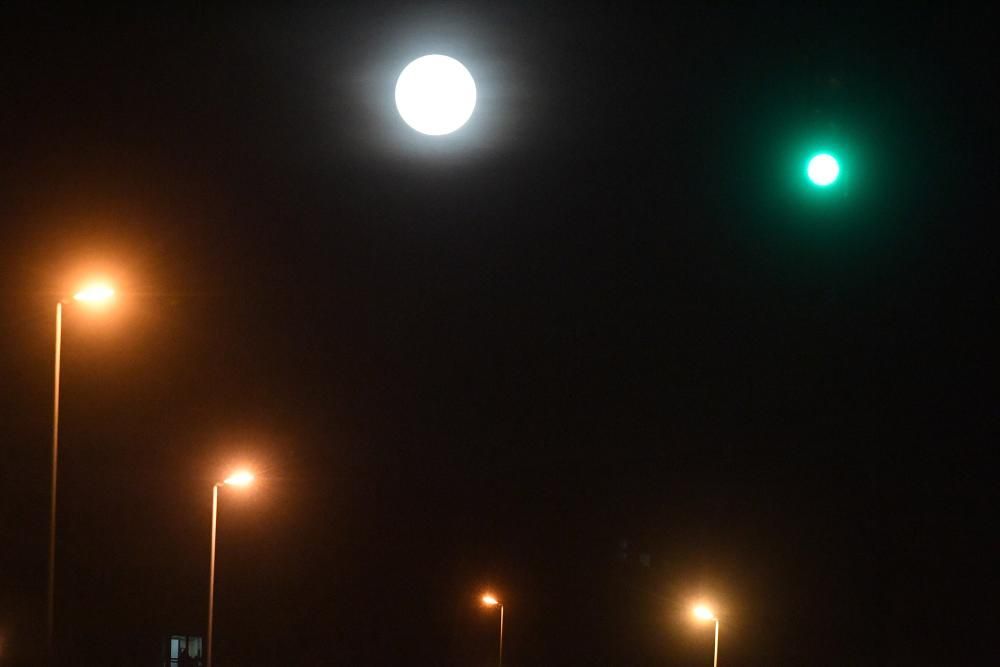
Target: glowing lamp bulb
{"type": "Point", "coordinates": [242, 478]}
{"type": "Point", "coordinates": [435, 95]}
{"type": "Point", "coordinates": [95, 294]}
{"type": "Point", "coordinates": [704, 613]}
{"type": "Point", "coordinates": [823, 169]}
{"type": "Point", "coordinates": [490, 600]}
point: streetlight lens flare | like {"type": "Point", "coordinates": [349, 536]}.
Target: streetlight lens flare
{"type": "Point", "coordinates": [242, 478]}
{"type": "Point", "coordinates": [490, 600]}
{"type": "Point", "coordinates": [703, 613]}
{"type": "Point", "coordinates": [435, 95]}
{"type": "Point", "coordinates": [95, 294]}
{"type": "Point", "coordinates": [823, 169]}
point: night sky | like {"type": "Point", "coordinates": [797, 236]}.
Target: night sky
{"type": "Point", "coordinates": [602, 351]}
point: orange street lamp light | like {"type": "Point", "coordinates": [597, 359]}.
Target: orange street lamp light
{"type": "Point", "coordinates": [491, 601]}
{"type": "Point", "coordinates": [95, 294]}
{"type": "Point", "coordinates": [241, 478]}
{"type": "Point", "coordinates": [703, 613]}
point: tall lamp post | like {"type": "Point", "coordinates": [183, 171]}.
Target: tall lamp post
{"type": "Point", "coordinates": [491, 601]}
{"type": "Point", "coordinates": [93, 295]}
{"type": "Point", "coordinates": [703, 613]}
{"type": "Point", "coordinates": [242, 478]}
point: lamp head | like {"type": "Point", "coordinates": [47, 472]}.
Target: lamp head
{"type": "Point", "coordinates": [95, 294]}
{"type": "Point", "coordinates": [703, 613]}
{"type": "Point", "coordinates": [241, 478]}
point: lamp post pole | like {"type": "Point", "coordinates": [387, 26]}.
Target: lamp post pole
{"type": "Point", "coordinates": [50, 598]}
{"type": "Point", "coordinates": [703, 613]}
{"type": "Point", "coordinates": [491, 600]}
{"type": "Point", "coordinates": [211, 574]}
{"type": "Point", "coordinates": [500, 660]}
{"type": "Point", "coordinates": [242, 478]}
{"type": "Point", "coordinates": [94, 295]}
{"type": "Point", "coordinates": [715, 660]}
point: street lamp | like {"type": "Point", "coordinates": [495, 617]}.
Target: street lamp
{"type": "Point", "coordinates": [97, 294]}
{"type": "Point", "coordinates": [491, 601]}
{"type": "Point", "coordinates": [241, 478]}
{"type": "Point", "coordinates": [703, 613]}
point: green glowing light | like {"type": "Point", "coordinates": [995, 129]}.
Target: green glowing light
{"type": "Point", "coordinates": [823, 169]}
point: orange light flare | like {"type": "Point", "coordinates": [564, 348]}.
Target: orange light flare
{"type": "Point", "coordinates": [490, 600]}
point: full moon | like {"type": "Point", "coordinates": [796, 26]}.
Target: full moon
{"type": "Point", "coordinates": [435, 95]}
{"type": "Point", "coordinates": [823, 169]}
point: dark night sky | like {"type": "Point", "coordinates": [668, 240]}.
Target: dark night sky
{"type": "Point", "coordinates": [604, 310]}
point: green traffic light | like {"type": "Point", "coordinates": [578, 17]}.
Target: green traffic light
{"type": "Point", "coordinates": [823, 170]}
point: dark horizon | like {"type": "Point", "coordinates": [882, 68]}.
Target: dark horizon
{"type": "Point", "coordinates": [605, 311]}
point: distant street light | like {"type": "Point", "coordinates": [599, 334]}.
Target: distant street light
{"type": "Point", "coordinates": [491, 601]}
{"type": "Point", "coordinates": [241, 478]}
{"type": "Point", "coordinates": [703, 613]}
{"type": "Point", "coordinates": [97, 294]}
{"type": "Point", "coordinates": [435, 95]}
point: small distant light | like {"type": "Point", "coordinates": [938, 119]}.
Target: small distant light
{"type": "Point", "coordinates": [242, 478]}
{"type": "Point", "coordinates": [95, 294]}
{"type": "Point", "coordinates": [823, 169]}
